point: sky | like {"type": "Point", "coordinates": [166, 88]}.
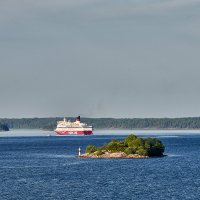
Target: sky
{"type": "Point", "coordinates": [99, 58]}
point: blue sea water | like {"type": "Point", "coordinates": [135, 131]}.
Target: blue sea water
{"type": "Point", "coordinates": [34, 168]}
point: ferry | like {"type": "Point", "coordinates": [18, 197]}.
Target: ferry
{"type": "Point", "coordinates": [66, 127]}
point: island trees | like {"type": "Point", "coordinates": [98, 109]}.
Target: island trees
{"type": "Point", "coordinates": [131, 145]}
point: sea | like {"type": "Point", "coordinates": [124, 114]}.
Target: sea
{"type": "Point", "coordinates": [38, 165]}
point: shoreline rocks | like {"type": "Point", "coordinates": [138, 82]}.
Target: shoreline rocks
{"type": "Point", "coordinates": [107, 154]}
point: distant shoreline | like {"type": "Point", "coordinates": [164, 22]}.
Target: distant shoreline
{"type": "Point", "coordinates": [189, 123]}
{"type": "Point", "coordinates": [118, 129]}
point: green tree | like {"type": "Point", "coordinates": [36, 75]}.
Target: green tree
{"type": "Point", "coordinates": [130, 150]}
{"type": "Point", "coordinates": [154, 147]}
{"type": "Point", "coordinates": [91, 149]}
{"type": "Point", "coordinates": [129, 139]}
{"type": "Point", "coordinates": [141, 151]}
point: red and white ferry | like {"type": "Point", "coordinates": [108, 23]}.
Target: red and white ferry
{"type": "Point", "coordinates": [73, 128]}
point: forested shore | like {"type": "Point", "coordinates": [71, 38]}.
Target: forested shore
{"type": "Point", "coordinates": [106, 123]}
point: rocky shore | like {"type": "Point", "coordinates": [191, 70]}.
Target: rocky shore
{"type": "Point", "coordinates": [107, 154]}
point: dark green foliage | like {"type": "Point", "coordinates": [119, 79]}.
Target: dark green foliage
{"type": "Point", "coordinates": [154, 147]}
{"type": "Point", "coordinates": [129, 139]}
{"type": "Point", "coordinates": [130, 150]}
{"type": "Point", "coordinates": [142, 152]}
{"type": "Point", "coordinates": [91, 149]}
{"type": "Point", "coordinates": [115, 146]}
{"type": "Point", "coordinates": [136, 143]}
{"type": "Point", "coordinates": [151, 123]}
{"type": "Point", "coordinates": [121, 146]}
{"type": "Point", "coordinates": [4, 127]}
{"type": "Point", "coordinates": [112, 146]}
{"type": "Point", "coordinates": [132, 145]}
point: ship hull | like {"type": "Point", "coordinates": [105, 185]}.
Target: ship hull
{"type": "Point", "coordinates": [63, 132]}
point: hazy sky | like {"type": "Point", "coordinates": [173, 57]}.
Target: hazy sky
{"type": "Point", "coordinates": [100, 58]}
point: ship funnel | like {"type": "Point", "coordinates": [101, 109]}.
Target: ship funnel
{"type": "Point", "coordinates": [78, 119]}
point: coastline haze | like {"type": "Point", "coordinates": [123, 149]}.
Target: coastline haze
{"type": "Point", "coordinates": [99, 58]}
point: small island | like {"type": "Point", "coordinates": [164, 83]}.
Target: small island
{"type": "Point", "coordinates": [131, 147]}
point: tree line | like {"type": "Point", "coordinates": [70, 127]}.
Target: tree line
{"type": "Point", "coordinates": [107, 123]}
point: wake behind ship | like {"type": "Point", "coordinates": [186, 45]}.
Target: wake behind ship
{"type": "Point", "coordinates": [73, 128]}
